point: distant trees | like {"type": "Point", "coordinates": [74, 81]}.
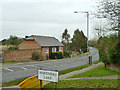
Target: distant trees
{"type": "Point", "coordinates": [77, 42]}
{"type": "Point", "coordinates": [12, 41]}
{"type": "Point", "coordinates": [65, 39]}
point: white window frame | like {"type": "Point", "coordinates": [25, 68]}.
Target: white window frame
{"type": "Point", "coordinates": [46, 51]}
{"type": "Point", "coordinates": [53, 49]}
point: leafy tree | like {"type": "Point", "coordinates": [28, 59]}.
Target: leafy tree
{"type": "Point", "coordinates": [92, 43]}
{"type": "Point", "coordinates": [4, 41]}
{"type": "Point", "coordinates": [66, 39]}
{"type": "Point", "coordinates": [14, 40]}
{"type": "Point", "coordinates": [65, 36]}
{"type": "Point", "coordinates": [79, 41]}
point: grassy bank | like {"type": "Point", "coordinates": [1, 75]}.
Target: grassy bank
{"type": "Point", "coordinates": [96, 72]}
{"type": "Point", "coordinates": [14, 82]}
{"type": "Point", "coordinates": [85, 83]}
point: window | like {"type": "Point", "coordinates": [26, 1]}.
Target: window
{"type": "Point", "coordinates": [53, 49]}
{"type": "Point", "coordinates": [46, 51]}
{"type": "Point", "coordinates": [59, 48]}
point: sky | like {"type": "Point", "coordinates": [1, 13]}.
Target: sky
{"type": "Point", "coordinates": [45, 17]}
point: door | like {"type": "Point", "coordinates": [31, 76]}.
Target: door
{"type": "Point", "coordinates": [50, 52]}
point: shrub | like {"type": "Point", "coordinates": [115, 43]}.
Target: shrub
{"type": "Point", "coordinates": [13, 48]}
{"type": "Point", "coordinates": [57, 55]}
{"type": "Point", "coordinates": [67, 54]}
{"type": "Point", "coordinates": [37, 56]}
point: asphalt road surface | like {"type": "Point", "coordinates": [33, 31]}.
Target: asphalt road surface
{"type": "Point", "coordinates": [16, 71]}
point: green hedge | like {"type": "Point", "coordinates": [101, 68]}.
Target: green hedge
{"type": "Point", "coordinates": [57, 55]}
{"type": "Point", "coordinates": [109, 49]}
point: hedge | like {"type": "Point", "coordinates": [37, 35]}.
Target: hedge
{"type": "Point", "coordinates": [57, 55]}
{"type": "Point", "coordinates": [109, 49]}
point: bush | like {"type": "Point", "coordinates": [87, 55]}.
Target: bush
{"type": "Point", "coordinates": [109, 49]}
{"type": "Point", "coordinates": [13, 48]}
{"type": "Point", "coordinates": [67, 54]}
{"type": "Point", "coordinates": [57, 55]}
{"type": "Point", "coordinates": [37, 56]}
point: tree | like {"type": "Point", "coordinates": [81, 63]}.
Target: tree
{"type": "Point", "coordinates": [4, 41]}
{"type": "Point", "coordinates": [65, 36]}
{"type": "Point", "coordinates": [65, 39]}
{"type": "Point", "coordinates": [110, 9]}
{"type": "Point", "coordinates": [14, 40]}
{"type": "Point", "coordinates": [79, 41]}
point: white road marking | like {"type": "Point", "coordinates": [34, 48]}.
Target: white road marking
{"type": "Point", "coordinates": [33, 66]}
{"type": "Point", "coordinates": [9, 69]}
{"type": "Point", "coordinates": [24, 68]}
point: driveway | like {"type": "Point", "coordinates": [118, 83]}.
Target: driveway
{"type": "Point", "coordinates": [16, 71]}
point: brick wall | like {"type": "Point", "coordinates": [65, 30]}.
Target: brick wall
{"type": "Point", "coordinates": [29, 44]}
{"type": "Point", "coordinates": [44, 51]}
{"type": "Point", "coordinates": [113, 67]}
{"type": "Point", "coordinates": [18, 55]}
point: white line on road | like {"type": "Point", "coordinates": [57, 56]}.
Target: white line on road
{"type": "Point", "coordinates": [8, 69]}
{"type": "Point", "coordinates": [33, 66]}
{"type": "Point", "coordinates": [24, 68]}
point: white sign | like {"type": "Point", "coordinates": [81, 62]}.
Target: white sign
{"type": "Point", "coordinates": [51, 76]}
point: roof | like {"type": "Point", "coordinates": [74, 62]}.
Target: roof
{"type": "Point", "coordinates": [46, 41]}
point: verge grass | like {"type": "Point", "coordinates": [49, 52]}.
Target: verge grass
{"type": "Point", "coordinates": [8, 63]}
{"type": "Point", "coordinates": [14, 82]}
{"type": "Point", "coordinates": [72, 69]}
{"type": "Point", "coordinates": [85, 83]}
{"type": "Point", "coordinates": [96, 72]}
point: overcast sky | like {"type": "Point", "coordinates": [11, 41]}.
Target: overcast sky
{"type": "Point", "coordinates": [44, 17]}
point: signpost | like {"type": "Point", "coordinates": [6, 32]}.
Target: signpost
{"type": "Point", "coordinates": [46, 75]}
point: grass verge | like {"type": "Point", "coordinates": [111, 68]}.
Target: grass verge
{"type": "Point", "coordinates": [72, 69]}
{"type": "Point", "coordinates": [96, 72]}
{"type": "Point", "coordinates": [85, 83]}
{"type": "Point", "coordinates": [96, 62]}
{"type": "Point", "coordinates": [8, 63]}
{"type": "Point", "coordinates": [14, 82]}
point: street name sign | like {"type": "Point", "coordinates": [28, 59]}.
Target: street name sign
{"type": "Point", "coordinates": [51, 76]}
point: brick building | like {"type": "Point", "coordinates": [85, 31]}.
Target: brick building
{"type": "Point", "coordinates": [46, 44]}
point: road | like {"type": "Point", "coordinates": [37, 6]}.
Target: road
{"type": "Point", "coordinates": [20, 70]}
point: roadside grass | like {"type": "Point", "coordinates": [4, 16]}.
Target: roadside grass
{"type": "Point", "coordinates": [96, 62]}
{"type": "Point", "coordinates": [14, 82]}
{"type": "Point", "coordinates": [8, 63]}
{"type": "Point", "coordinates": [85, 83]}
{"type": "Point", "coordinates": [96, 72]}
{"type": "Point", "coordinates": [73, 69]}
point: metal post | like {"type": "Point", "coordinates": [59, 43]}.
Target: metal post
{"type": "Point", "coordinates": [56, 83]}
{"type": "Point", "coordinates": [40, 82]}
{"type": "Point", "coordinates": [87, 29]}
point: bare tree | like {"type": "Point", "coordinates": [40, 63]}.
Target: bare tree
{"type": "Point", "coordinates": [110, 9]}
